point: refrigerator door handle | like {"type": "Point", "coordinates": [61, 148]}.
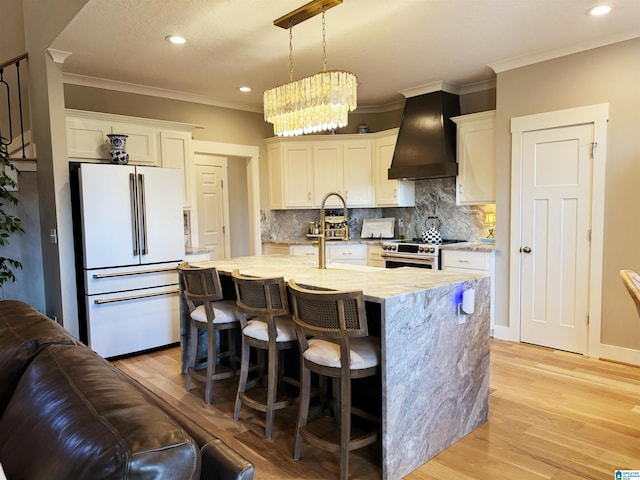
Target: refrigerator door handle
{"type": "Point", "coordinates": [143, 209]}
{"type": "Point", "coordinates": [134, 213]}
{"type": "Point", "coordinates": [134, 297]}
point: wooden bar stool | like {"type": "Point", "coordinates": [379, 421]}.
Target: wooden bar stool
{"type": "Point", "coordinates": [340, 348]}
{"type": "Point", "coordinates": [202, 292]}
{"type": "Point", "coordinates": [272, 330]}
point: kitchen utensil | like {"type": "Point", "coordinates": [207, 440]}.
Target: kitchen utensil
{"type": "Point", "coordinates": [432, 232]}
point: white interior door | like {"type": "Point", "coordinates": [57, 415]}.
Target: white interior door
{"type": "Point", "coordinates": [555, 250]}
{"type": "Point", "coordinates": [211, 177]}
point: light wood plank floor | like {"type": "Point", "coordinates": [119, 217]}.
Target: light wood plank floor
{"type": "Point", "coordinates": [553, 415]}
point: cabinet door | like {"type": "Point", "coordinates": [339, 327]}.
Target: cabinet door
{"type": "Point", "coordinates": [276, 176]}
{"type": "Point", "coordinates": [390, 193]}
{"type": "Point", "coordinates": [374, 256]}
{"type": "Point", "coordinates": [358, 174]}
{"type": "Point", "coordinates": [87, 138]}
{"type": "Point", "coordinates": [142, 143]}
{"type": "Point", "coordinates": [476, 182]}
{"type": "Point", "coordinates": [305, 251]}
{"type": "Point", "coordinates": [355, 254]}
{"type": "Point", "coordinates": [327, 173]}
{"type": "Point", "coordinates": [175, 150]}
{"type": "Point", "coordinates": [298, 175]}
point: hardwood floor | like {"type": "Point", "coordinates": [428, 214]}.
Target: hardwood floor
{"type": "Point", "coordinates": [553, 415]}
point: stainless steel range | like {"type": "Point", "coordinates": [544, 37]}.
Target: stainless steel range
{"type": "Point", "coordinates": [400, 253]}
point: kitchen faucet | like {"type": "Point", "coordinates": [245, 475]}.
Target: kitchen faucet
{"type": "Point", "coordinates": [322, 245]}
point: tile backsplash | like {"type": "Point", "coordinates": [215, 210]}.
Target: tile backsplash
{"type": "Point", "coordinates": [434, 198]}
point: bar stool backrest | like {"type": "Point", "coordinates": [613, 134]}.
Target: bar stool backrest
{"type": "Point", "coordinates": [200, 285]}
{"type": "Point", "coordinates": [328, 313]}
{"type": "Point", "coordinates": [261, 296]}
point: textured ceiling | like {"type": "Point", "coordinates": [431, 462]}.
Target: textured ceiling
{"type": "Point", "coordinates": [391, 45]}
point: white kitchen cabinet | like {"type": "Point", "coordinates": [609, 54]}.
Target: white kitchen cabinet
{"type": "Point", "coordinates": [175, 148]}
{"type": "Point", "coordinates": [308, 251]}
{"type": "Point", "coordinates": [346, 168]}
{"type": "Point", "coordinates": [390, 193]}
{"type": "Point", "coordinates": [476, 180]}
{"type": "Point", "coordinates": [473, 262]}
{"type": "Point", "coordinates": [290, 166]}
{"type": "Point", "coordinates": [374, 255]}
{"type": "Point", "coordinates": [275, 249]}
{"type": "Point", "coordinates": [352, 253]}
{"type": "Point", "coordinates": [87, 136]}
{"type": "Point", "coordinates": [358, 173]}
{"type": "Point", "coordinates": [337, 252]}
{"type": "Point", "coordinates": [328, 172]}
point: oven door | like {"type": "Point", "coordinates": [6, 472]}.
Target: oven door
{"type": "Point", "coordinates": [394, 261]}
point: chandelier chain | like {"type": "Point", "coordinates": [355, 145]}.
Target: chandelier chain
{"type": "Point", "coordinates": [324, 43]}
{"type": "Point", "coordinates": [290, 53]}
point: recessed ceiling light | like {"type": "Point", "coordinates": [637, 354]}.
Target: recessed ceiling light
{"type": "Point", "coordinates": [177, 39]}
{"type": "Point", "coordinates": [245, 89]}
{"type": "Point", "coordinates": [598, 10]}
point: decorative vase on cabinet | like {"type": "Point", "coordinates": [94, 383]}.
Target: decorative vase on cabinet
{"type": "Point", "coordinates": [117, 148]}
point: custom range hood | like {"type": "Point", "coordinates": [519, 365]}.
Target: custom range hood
{"type": "Point", "coordinates": [426, 145]}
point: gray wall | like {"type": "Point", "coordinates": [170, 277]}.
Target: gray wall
{"type": "Point", "coordinates": [611, 75]}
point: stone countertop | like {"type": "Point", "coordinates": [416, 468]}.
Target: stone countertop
{"type": "Point", "coordinates": [377, 284]}
{"type": "Point", "coordinates": [471, 246]}
{"type": "Point", "coordinates": [311, 241]}
{"type": "Point", "coordinates": [196, 250]}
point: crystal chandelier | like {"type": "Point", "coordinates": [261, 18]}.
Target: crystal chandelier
{"type": "Point", "coordinates": [316, 103]}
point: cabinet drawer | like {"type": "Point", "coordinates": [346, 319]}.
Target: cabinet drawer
{"type": "Point", "coordinates": [465, 259]}
{"type": "Point", "coordinates": [304, 251]}
{"type": "Point", "coordinates": [347, 252]}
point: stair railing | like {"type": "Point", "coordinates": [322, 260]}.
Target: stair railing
{"type": "Point", "coordinates": [7, 88]}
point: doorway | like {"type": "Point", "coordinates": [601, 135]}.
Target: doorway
{"type": "Point", "coordinates": [240, 193]}
{"type": "Point", "coordinates": [556, 227]}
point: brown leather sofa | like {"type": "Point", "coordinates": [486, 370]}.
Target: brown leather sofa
{"type": "Point", "coordinates": [65, 412]}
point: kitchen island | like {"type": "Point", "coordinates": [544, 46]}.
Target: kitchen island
{"type": "Point", "coordinates": [435, 363]}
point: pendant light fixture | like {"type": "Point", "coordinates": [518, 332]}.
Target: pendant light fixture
{"type": "Point", "coordinates": [316, 103]}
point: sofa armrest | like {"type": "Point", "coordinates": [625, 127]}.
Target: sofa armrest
{"type": "Point", "coordinates": [219, 461]}
{"type": "Point", "coordinates": [24, 333]}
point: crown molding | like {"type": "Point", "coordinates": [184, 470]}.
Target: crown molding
{"type": "Point", "coordinates": [94, 82]}
{"type": "Point", "coordinates": [523, 61]}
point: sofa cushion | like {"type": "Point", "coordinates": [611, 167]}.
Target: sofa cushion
{"type": "Point", "coordinates": [73, 416]}
{"type": "Point", "coordinates": [23, 333]}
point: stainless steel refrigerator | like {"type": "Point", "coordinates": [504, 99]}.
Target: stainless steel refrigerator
{"type": "Point", "coordinates": [130, 222]}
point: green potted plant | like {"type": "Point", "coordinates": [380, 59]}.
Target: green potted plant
{"type": "Point", "coordinates": [9, 224]}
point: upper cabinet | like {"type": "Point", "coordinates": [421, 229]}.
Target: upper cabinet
{"type": "Point", "coordinates": [149, 142]}
{"type": "Point", "coordinates": [175, 152]}
{"type": "Point", "coordinates": [302, 170]}
{"type": "Point", "coordinates": [390, 193]}
{"type": "Point", "coordinates": [476, 181]}
{"type": "Point", "coordinates": [290, 167]}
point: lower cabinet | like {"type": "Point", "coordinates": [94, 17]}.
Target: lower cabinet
{"type": "Point", "coordinates": [374, 256]}
{"type": "Point", "coordinates": [304, 251]}
{"type": "Point", "coordinates": [338, 252]}
{"type": "Point", "coordinates": [473, 262]}
{"type": "Point", "coordinates": [353, 253]}
{"type": "Point", "coordinates": [273, 249]}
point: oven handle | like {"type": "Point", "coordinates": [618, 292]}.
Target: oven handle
{"type": "Point", "coordinates": [428, 258]}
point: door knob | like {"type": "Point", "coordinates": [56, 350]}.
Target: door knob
{"type": "Point", "coordinates": [525, 249]}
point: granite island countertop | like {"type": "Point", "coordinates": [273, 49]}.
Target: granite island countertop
{"type": "Point", "coordinates": [376, 283]}
{"type": "Point", "coordinates": [434, 364]}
